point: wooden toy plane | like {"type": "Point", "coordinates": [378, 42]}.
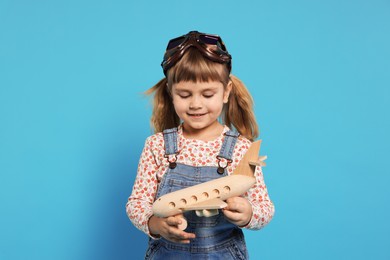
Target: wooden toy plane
{"type": "Point", "coordinates": [206, 198]}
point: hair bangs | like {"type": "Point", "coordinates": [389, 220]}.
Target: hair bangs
{"type": "Point", "coordinates": [193, 66]}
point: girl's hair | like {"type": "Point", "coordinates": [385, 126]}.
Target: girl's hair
{"type": "Point", "coordinates": [194, 67]}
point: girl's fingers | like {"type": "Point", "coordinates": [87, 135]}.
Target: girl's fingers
{"type": "Point", "coordinates": [233, 205]}
{"type": "Point", "coordinates": [176, 233]}
{"type": "Point", "coordinates": [187, 241]}
{"type": "Point", "coordinates": [232, 215]}
{"type": "Point", "coordinates": [179, 234]}
{"type": "Point", "coordinates": [174, 221]}
{"type": "Point", "coordinates": [181, 237]}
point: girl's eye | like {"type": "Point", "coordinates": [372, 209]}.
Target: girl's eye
{"type": "Point", "coordinates": [184, 96]}
{"type": "Point", "coordinates": [208, 95]}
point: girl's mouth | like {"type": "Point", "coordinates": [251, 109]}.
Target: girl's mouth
{"type": "Point", "coordinates": [196, 115]}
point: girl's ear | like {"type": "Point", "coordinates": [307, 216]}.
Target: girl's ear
{"type": "Point", "coordinates": [227, 92]}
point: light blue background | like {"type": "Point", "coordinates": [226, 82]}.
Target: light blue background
{"type": "Point", "coordinates": [73, 120]}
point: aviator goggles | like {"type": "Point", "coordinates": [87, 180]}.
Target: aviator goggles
{"type": "Point", "coordinates": [211, 46]}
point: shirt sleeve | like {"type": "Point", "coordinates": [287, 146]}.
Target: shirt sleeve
{"type": "Point", "coordinates": [262, 207]}
{"type": "Point", "coordinates": [139, 204]}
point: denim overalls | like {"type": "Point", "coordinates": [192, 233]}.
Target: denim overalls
{"type": "Point", "coordinates": [216, 238]}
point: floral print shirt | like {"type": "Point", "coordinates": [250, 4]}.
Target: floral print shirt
{"type": "Point", "coordinates": [153, 165]}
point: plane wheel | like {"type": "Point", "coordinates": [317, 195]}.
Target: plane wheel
{"type": "Point", "coordinates": [199, 213]}
{"type": "Point", "coordinates": [183, 224]}
{"type": "Point", "coordinates": [210, 212]}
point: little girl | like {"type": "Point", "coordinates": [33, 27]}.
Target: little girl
{"type": "Point", "coordinates": [204, 123]}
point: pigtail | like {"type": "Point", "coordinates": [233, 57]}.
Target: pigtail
{"type": "Point", "coordinates": [239, 110]}
{"type": "Point", "coordinates": [163, 114]}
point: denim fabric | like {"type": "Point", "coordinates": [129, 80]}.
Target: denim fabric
{"type": "Point", "coordinates": [216, 238]}
{"type": "Point", "coordinates": [228, 145]}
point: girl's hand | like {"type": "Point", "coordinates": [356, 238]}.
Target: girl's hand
{"type": "Point", "coordinates": [169, 229]}
{"type": "Point", "coordinates": [238, 211]}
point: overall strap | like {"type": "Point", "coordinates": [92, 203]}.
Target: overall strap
{"type": "Point", "coordinates": [229, 142]}
{"type": "Point", "coordinates": [170, 140]}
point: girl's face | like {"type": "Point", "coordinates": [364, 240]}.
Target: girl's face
{"type": "Point", "coordinates": [199, 104]}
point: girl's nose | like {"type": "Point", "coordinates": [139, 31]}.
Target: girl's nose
{"type": "Point", "coordinates": [195, 103]}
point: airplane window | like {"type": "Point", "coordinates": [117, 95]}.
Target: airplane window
{"type": "Point", "coordinates": [194, 198]}
{"type": "Point", "coordinates": [216, 191]}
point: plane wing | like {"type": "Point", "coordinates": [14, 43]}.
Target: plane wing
{"type": "Point", "coordinates": [215, 203]}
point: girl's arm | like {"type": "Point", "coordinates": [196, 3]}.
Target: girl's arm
{"type": "Point", "coordinates": [262, 207]}
{"type": "Point", "coordinates": [254, 209]}
{"type": "Point", "coordinates": [139, 205]}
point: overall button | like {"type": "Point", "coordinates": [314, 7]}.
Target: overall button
{"type": "Point", "coordinates": [172, 165]}
{"type": "Point", "coordinates": [220, 170]}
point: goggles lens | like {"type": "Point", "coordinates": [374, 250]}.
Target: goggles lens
{"type": "Point", "coordinates": [209, 39]}
{"type": "Point", "coordinates": [175, 42]}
